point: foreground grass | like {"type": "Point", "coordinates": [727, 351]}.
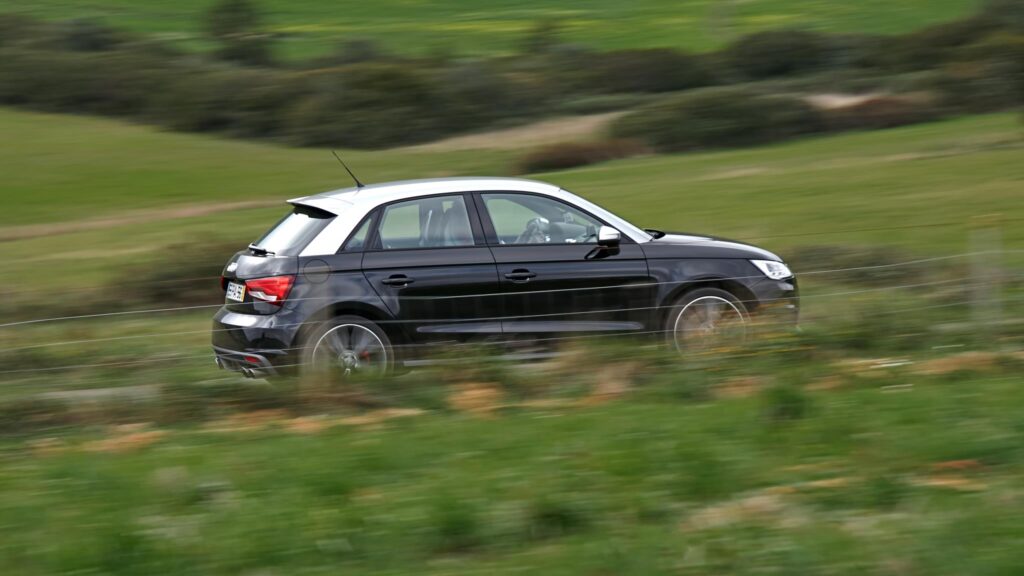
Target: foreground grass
{"type": "Point", "coordinates": [916, 476]}
{"type": "Point", "coordinates": [312, 27]}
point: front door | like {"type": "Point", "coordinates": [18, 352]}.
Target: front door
{"type": "Point", "coordinates": [554, 276]}
{"type": "Point", "coordinates": [427, 260]}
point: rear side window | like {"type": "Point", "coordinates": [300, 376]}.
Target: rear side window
{"type": "Point", "coordinates": [293, 232]}
{"type": "Point", "coordinates": [431, 222]}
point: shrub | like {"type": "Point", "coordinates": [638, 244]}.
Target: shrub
{"type": "Point", "coordinates": [21, 415]}
{"type": "Point", "coordinates": [930, 47]}
{"type": "Point", "coordinates": [987, 75]}
{"type": "Point", "coordinates": [650, 70]}
{"type": "Point", "coordinates": [877, 112]}
{"type": "Point", "coordinates": [236, 26]}
{"type": "Point", "coordinates": [456, 525]}
{"type": "Point", "coordinates": [369, 106]}
{"type": "Point", "coordinates": [595, 104]}
{"type": "Point", "coordinates": [472, 94]}
{"type": "Point", "coordinates": [778, 53]}
{"type": "Point", "coordinates": [717, 118]}
{"type": "Point", "coordinates": [784, 402]}
{"type": "Point", "coordinates": [87, 35]}
{"type": "Point", "coordinates": [573, 154]}
{"type": "Point", "coordinates": [553, 517]}
{"type": "Point", "coordinates": [182, 274]}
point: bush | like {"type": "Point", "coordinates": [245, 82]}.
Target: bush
{"type": "Point", "coordinates": [597, 104]}
{"type": "Point", "coordinates": [785, 402]}
{"type": "Point", "coordinates": [473, 94]}
{"type": "Point", "coordinates": [182, 274]}
{"type": "Point", "coordinates": [573, 154]}
{"type": "Point", "coordinates": [878, 112]}
{"type": "Point", "coordinates": [650, 70]}
{"type": "Point", "coordinates": [369, 106]}
{"type": "Point", "coordinates": [930, 47]}
{"type": "Point", "coordinates": [987, 75]}
{"type": "Point", "coordinates": [236, 26]}
{"type": "Point", "coordinates": [718, 118]}
{"type": "Point", "coordinates": [87, 35]}
{"type": "Point", "coordinates": [778, 53]}
{"type": "Point", "coordinates": [21, 415]}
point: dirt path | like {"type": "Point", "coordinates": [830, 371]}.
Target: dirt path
{"type": "Point", "coordinates": [10, 233]}
{"type": "Point", "coordinates": [563, 129]}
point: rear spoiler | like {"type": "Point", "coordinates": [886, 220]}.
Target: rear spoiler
{"type": "Point", "coordinates": [325, 203]}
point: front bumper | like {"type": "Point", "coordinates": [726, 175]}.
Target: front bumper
{"type": "Point", "coordinates": [778, 301]}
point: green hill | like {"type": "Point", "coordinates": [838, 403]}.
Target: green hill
{"type": "Point", "coordinates": [308, 27]}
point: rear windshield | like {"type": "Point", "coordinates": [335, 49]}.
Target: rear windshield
{"type": "Point", "coordinates": [289, 236]}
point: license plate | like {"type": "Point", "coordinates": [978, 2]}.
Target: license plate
{"type": "Point", "coordinates": [236, 291]}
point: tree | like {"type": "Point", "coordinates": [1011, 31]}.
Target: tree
{"type": "Point", "coordinates": [237, 28]}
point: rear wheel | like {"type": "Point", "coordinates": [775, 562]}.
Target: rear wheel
{"type": "Point", "coordinates": [347, 347]}
{"type": "Point", "coordinates": [705, 319]}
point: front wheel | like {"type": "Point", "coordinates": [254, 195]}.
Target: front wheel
{"type": "Point", "coordinates": [346, 347]}
{"type": "Point", "coordinates": [706, 319]}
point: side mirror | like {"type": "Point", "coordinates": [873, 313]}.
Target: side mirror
{"type": "Point", "coordinates": [608, 237]}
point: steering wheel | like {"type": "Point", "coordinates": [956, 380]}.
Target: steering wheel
{"type": "Point", "coordinates": [536, 232]}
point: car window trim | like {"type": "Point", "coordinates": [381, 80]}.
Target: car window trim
{"type": "Point", "coordinates": [373, 242]}
{"type": "Point", "coordinates": [491, 233]}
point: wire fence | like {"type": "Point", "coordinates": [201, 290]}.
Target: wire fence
{"type": "Point", "coordinates": [965, 283]}
{"type": "Point", "coordinates": [532, 292]}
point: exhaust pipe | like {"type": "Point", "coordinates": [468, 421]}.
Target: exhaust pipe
{"type": "Point", "coordinates": [248, 373]}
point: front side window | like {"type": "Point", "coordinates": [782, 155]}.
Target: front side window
{"type": "Point", "coordinates": [530, 219]}
{"type": "Point", "coordinates": [434, 222]}
{"type": "Point", "coordinates": [293, 232]}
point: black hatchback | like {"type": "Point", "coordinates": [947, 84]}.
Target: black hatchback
{"type": "Point", "coordinates": [364, 279]}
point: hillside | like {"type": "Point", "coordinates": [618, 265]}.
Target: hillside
{"type": "Point", "coordinates": [311, 27]}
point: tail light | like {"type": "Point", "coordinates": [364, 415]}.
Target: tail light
{"type": "Point", "coordinates": [273, 290]}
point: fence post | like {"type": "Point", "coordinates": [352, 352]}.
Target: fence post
{"type": "Point", "coordinates": [986, 274]}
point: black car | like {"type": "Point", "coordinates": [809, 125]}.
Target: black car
{"type": "Point", "coordinates": [369, 278]}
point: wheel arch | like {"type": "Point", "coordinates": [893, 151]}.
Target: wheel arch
{"type": "Point", "coordinates": [363, 309]}
{"type": "Point", "coordinates": [737, 289]}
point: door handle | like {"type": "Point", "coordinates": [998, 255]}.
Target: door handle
{"type": "Point", "coordinates": [397, 280]}
{"type": "Point", "coordinates": [520, 275]}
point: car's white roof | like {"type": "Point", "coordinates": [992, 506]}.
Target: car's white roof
{"type": "Point", "coordinates": [352, 204]}
{"type": "Point", "coordinates": [377, 194]}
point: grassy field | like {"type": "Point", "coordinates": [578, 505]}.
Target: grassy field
{"type": "Point", "coordinates": [928, 484]}
{"type": "Point", "coordinates": [310, 27]}
{"type": "Point", "coordinates": [880, 440]}
{"type": "Point", "coordinates": [885, 188]}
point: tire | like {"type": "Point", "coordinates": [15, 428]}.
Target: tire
{"type": "Point", "coordinates": [345, 347]}
{"type": "Point", "coordinates": [692, 324]}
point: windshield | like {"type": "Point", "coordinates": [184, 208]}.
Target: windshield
{"type": "Point", "coordinates": [293, 232]}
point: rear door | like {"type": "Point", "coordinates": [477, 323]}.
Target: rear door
{"type": "Point", "coordinates": [555, 277]}
{"type": "Point", "coordinates": [428, 261]}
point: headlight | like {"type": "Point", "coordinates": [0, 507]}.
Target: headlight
{"type": "Point", "coordinates": [772, 269]}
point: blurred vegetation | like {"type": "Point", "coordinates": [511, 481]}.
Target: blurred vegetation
{"type": "Point", "coordinates": [884, 438]}
{"type": "Point", "coordinates": [364, 97]}
{"type": "Point", "coordinates": [306, 29]}
{"type": "Point", "coordinates": [725, 117]}
{"type": "Point", "coordinates": [574, 154]}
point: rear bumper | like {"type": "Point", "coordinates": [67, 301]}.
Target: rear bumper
{"type": "Point", "coordinates": [249, 364]}
{"type": "Point", "coordinates": [256, 345]}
